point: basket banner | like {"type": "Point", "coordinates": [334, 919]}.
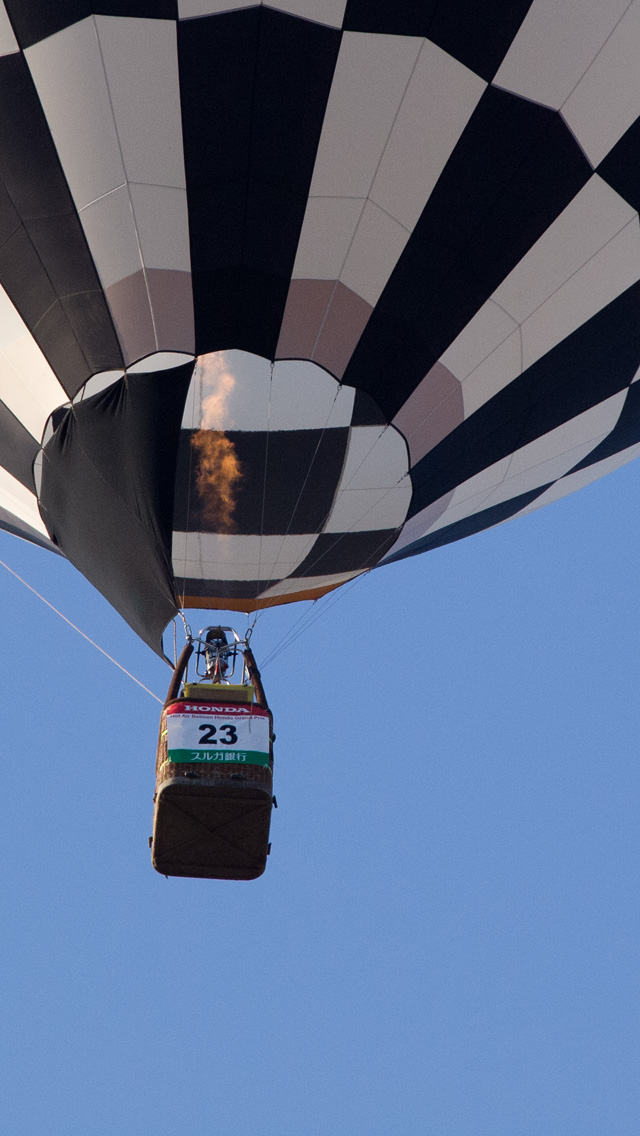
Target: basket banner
{"type": "Point", "coordinates": [217, 734]}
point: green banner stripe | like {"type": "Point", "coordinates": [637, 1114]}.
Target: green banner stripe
{"type": "Point", "coordinates": [218, 757]}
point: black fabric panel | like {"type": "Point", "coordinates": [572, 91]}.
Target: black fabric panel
{"type": "Point", "coordinates": [59, 345]}
{"type": "Point", "coordinates": [30, 167]}
{"type": "Point", "coordinates": [366, 412]}
{"type": "Point", "coordinates": [62, 249]}
{"type": "Point", "coordinates": [45, 264]}
{"type": "Point", "coordinates": [23, 277]}
{"type": "Point", "coordinates": [254, 87]}
{"type": "Point", "coordinates": [9, 217]}
{"type": "Point", "coordinates": [345, 552]}
{"type": "Point", "coordinates": [56, 418]}
{"type": "Point", "coordinates": [625, 433]}
{"type": "Point", "coordinates": [303, 469]}
{"type": "Point", "coordinates": [18, 448]}
{"type": "Point", "coordinates": [514, 170]}
{"type": "Point", "coordinates": [596, 361]}
{"type": "Point", "coordinates": [107, 494]}
{"type": "Point", "coordinates": [34, 20]}
{"type": "Point", "coordinates": [403, 17]}
{"type": "Point", "coordinates": [477, 32]}
{"type": "Point", "coordinates": [471, 525]}
{"type": "Point", "coordinates": [221, 589]}
{"type": "Point", "coordinates": [621, 167]}
{"type": "Point", "coordinates": [87, 321]}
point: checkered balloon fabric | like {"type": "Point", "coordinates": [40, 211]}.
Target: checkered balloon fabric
{"type": "Point", "coordinates": [289, 290]}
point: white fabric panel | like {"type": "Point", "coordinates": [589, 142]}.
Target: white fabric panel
{"type": "Point", "coordinates": [487, 330]}
{"type": "Point", "coordinates": [419, 525]}
{"type": "Point", "coordinates": [607, 99]}
{"type": "Point", "coordinates": [376, 458]}
{"type": "Point", "coordinates": [78, 111]}
{"type": "Point", "coordinates": [111, 233]}
{"type": "Point", "coordinates": [555, 45]}
{"type": "Point", "coordinates": [98, 383]}
{"type": "Point", "coordinates": [226, 556]}
{"type": "Point", "coordinates": [612, 270]}
{"type": "Point", "coordinates": [404, 164]}
{"type": "Point", "coordinates": [439, 101]}
{"type": "Point", "coordinates": [589, 222]}
{"type": "Point", "coordinates": [231, 390]}
{"type": "Point", "coordinates": [328, 229]}
{"type": "Point", "coordinates": [306, 397]}
{"type": "Point", "coordinates": [187, 9]}
{"type": "Point", "coordinates": [369, 496]}
{"type": "Point", "coordinates": [19, 501]}
{"type": "Point", "coordinates": [307, 584]}
{"type": "Point", "coordinates": [12, 325]}
{"type": "Point", "coordinates": [162, 223]}
{"type": "Point", "coordinates": [361, 510]}
{"type": "Point", "coordinates": [8, 41]}
{"type": "Point", "coordinates": [159, 361]}
{"type": "Point", "coordinates": [581, 478]}
{"type": "Point", "coordinates": [38, 462]}
{"type": "Point", "coordinates": [370, 79]}
{"type": "Point", "coordinates": [539, 475]}
{"type": "Point", "coordinates": [495, 372]}
{"type": "Point", "coordinates": [28, 386]}
{"type": "Point", "coordinates": [461, 511]}
{"type": "Point", "coordinates": [378, 243]}
{"type": "Point", "coordinates": [480, 485]}
{"type": "Point", "coordinates": [128, 68]}
{"type": "Point", "coordinates": [586, 429]}
{"type": "Point", "coordinates": [141, 63]}
{"type": "Point", "coordinates": [545, 459]}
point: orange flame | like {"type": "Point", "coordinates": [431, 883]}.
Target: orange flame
{"type": "Point", "coordinates": [217, 477]}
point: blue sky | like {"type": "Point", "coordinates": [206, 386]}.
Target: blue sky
{"type": "Point", "coordinates": [446, 940]}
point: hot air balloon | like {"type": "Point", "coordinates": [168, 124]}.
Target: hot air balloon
{"type": "Point", "coordinates": [289, 291]}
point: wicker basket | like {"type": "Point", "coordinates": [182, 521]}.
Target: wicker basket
{"type": "Point", "coordinates": [210, 821]}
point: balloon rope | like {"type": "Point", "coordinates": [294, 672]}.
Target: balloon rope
{"type": "Point", "coordinates": [91, 641]}
{"type": "Point", "coordinates": [264, 485]}
{"type": "Point", "coordinates": [318, 609]}
{"type": "Point", "coordinates": [314, 613]}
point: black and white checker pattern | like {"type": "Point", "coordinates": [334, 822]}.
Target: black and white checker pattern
{"type": "Point", "coordinates": [318, 499]}
{"type": "Point", "coordinates": [435, 205]}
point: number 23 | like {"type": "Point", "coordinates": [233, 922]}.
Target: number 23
{"type": "Point", "coordinates": [209, 734]}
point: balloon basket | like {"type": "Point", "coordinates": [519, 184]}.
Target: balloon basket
{"type": "Point", "coordinates": [211, 825]}
{"type": "Point", "coordinates": [214, 771]}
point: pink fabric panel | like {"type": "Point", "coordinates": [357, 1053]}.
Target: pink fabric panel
{"type": "Point", "coordinates": [433, 410]}
{"type": "Point", "coordinates": [129, 304]}
{"type": "Point", "coordinates": [307, 304]}
{"type": "Point", "coordinates": [345, 321]}
{"type": "Point", "coordinates": [323, 321]}
{"type": "Point", "coordinates": [172, 302]}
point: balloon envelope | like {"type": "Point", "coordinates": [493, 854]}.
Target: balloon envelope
{"type": "Point", "coordinates": [289, 291]}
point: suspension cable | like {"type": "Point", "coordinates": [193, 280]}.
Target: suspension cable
{"type": "Point", "coordinates": [315, 613]}
{"type": "Point", "coordinates": [73, 625]}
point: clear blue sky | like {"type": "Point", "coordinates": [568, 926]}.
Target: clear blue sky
{"type": "Point", "coordinates": [446, 940]}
